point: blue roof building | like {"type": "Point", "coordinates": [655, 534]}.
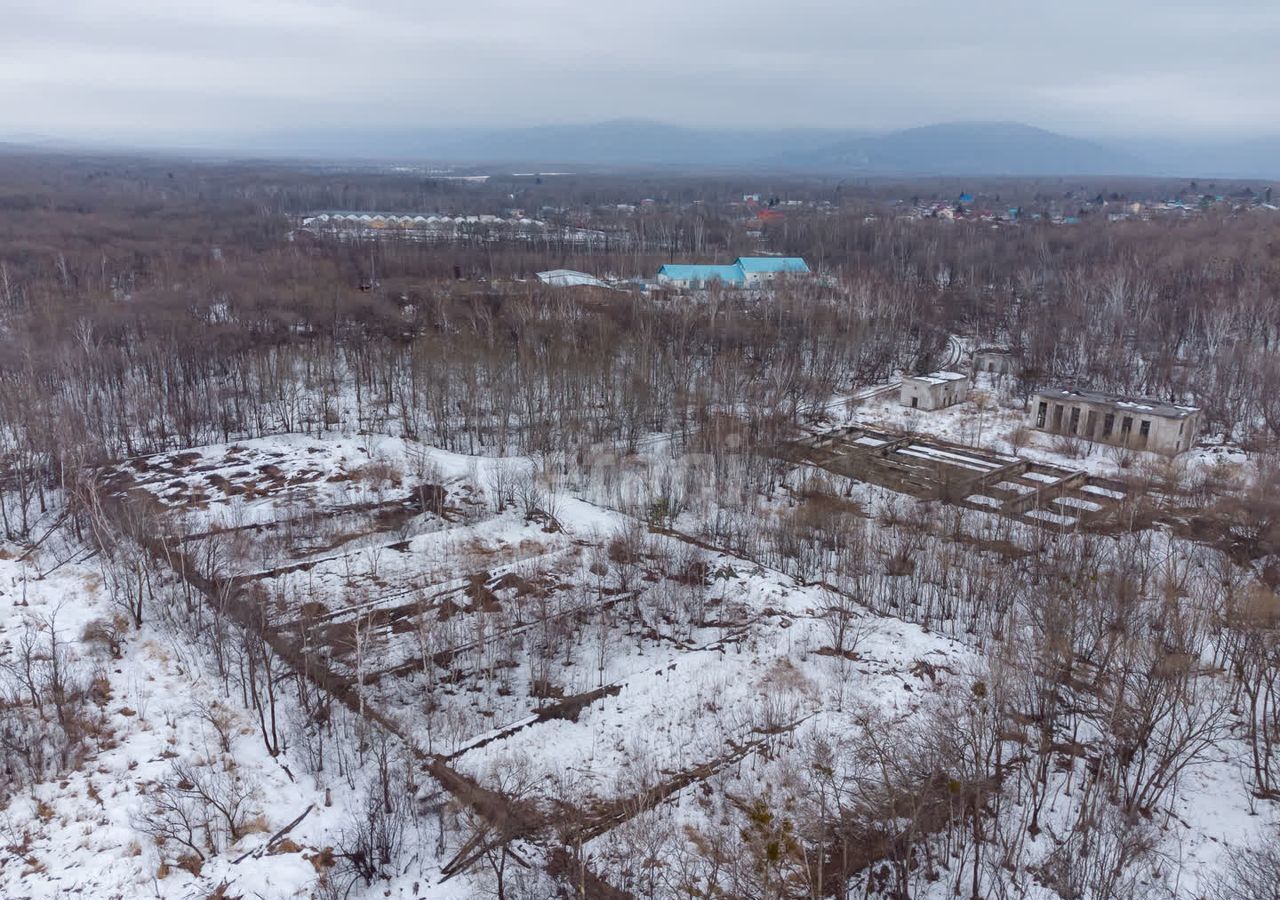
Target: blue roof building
{"type": "Point", "coordinates": [747, 270]}
{"type": "Point", "coordinates": [694, 275]}
{"type": "Point", "coordinates": [773, 265]}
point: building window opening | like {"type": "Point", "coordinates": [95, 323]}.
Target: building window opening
{"type": "Point", "coordinates": [1040, 414]}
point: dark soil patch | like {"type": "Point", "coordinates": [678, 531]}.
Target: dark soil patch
{"type": "Point", "coordinates": [851, 655]}
{"type": "Point", "coordinates": [513, 582]}
{"type": "Point", "coordinates": [483, 599]}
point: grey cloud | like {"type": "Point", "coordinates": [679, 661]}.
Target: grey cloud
{"type": "Point", "coordinates": [155, 70]}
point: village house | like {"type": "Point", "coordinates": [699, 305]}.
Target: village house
{"type": "Point", "coordinates": [1137, 423]}
{"type": "Point", "coordinates": [935, 390]}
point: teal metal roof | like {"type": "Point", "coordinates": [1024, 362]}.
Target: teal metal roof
{"type": "Point", "coordinates": [736, 273]}
{"type": "Point", "coordinates": [703, 274]}
{"type": "Point", "coordinates": [765, 264]}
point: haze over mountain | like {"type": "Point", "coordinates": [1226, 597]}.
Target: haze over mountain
{"type": "Point", "coordinates": [1184, 88]}
{"type": "Point", "coordinates": [970, 148]}
{"type": "Point", "coordinates": [956, 149]}
{"type": "Point", "coordinates": [616, 142]}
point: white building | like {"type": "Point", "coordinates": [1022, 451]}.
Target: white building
{"type": "Point", "coordinates": [997, 361]}
{"type": "Point", "coordinates": [935, 390]}
{"type": "Point", "coordinates": [569, 278]}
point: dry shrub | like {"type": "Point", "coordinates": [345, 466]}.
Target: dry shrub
{"type": "Point", "coordinates": [783, 675]}
{"type": "Point", "coordinates": [624, 550]}
{"type": "Point", "coordinates": [100, 690]}
{"type": "Point", "coordinates": [1259, 607]}
{"type": "Point", "coordinates": [1019, 437]}
{"type": "Point", "coordinates": [255, 825]}
{"type": "Point", "coordinates": [1070, 446]}
{"type": "Point", "coordinates": [828, 506]}
{"type": "Point", "coordinates": [323, 860]}
{"type": "Point", "coordinates": [106, 634]}
{"type": "Point", "coordinates": [1122, 456]}
{"type": "Point", "coordinates": [378, 473]}
{"type": "Point", "coordinates": [900, 563]}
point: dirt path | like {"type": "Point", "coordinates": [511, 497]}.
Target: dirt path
{"type": "Point", "coordinates": [609, 815]}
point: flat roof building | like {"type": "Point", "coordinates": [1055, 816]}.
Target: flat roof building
{"type": "Point", "coordinates": [746, 271]}
{"type": "Point", "coordinates": [1133, 422]}
{"type": "Point", "coordinates": [762, 268]}
{"type": "Point", "coordinates": [935, 390]}
{"type": "Point", "coordinates": [701, 276]}
{"type": "Point", "coordinates": [997, 361]}
{"type": "Point", "coordinates": [569, 278]}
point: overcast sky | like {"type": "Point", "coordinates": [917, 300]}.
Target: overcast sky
{"type": "Point", "coordinates": [166, 69]}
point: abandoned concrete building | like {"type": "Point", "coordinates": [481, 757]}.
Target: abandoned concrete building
{"type": "Point", "coordinates": [1136, 423]}
{"type": "Point", "coordinates": [997, 361]}
{"type": "Point", "coordinates": [935, 390]}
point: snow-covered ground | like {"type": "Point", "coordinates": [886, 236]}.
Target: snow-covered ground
{"type": "Point", "coordinates": [678, 662]}
{"type": "Point", "coordinates": [151, 708]}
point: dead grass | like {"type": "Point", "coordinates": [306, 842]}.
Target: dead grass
{"type": "Point", "coordinates": [323, 860]}
{"type": "Point", "coordinates": [255, 825]}
{"type": "Point", "coordinates": [378, 474]}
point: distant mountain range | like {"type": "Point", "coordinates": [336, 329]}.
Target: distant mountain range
{"type": "Point", "coordinates": [969, 148]}
{"type": "Point", "coordinates": [962, 148]}
{"type": "Point", "coordinates": [956, 149]}
{"type": "Point", "coordinates": [623, 142]}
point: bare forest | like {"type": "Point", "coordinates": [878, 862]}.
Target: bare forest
{"type": "Point", "coordinates": [360, 564]}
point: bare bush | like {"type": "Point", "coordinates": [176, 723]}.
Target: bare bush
{"type": "Point", "coordinates": [202, 808]}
